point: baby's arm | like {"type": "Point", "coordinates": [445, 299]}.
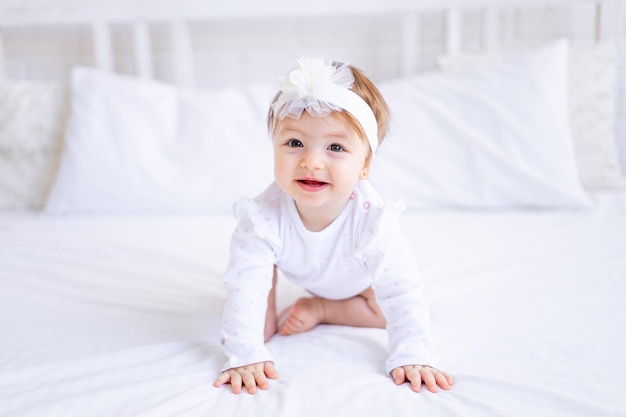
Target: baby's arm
{"type": "Point", "coordinates": [249, 376]}
{"type": "Point", "coordinates": [399, 295]}
{"type": "Point", "coordinates": [416, 374]}
{"type": "Point", "coordinates": [248, 281]}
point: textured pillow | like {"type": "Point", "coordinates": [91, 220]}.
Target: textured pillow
{"type": "Point", "coordinates": [32, 120]}
{"type": "Point", "coordinates": [136, 145]}
{"type": "Point", "coordinates": [494, 136]}
{"type": "Point", "coordinates": [592, 104]}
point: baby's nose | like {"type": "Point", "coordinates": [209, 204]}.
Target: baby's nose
{"type": "Point", "coordinates": [312, 159]}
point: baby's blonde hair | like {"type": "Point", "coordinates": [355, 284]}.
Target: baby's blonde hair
{"type": "Point", "coordinates": [365, 89]}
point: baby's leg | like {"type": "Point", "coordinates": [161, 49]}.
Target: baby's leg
{"type": "Point", "coordinates": [359, 311]}
{"type": "Point", "coordinates": [271, 317]}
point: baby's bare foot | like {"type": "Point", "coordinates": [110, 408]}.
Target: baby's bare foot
{"type": "Point", "coordinates": [305, 314]}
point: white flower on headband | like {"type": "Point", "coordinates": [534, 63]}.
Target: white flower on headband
{"type": "Point", "coordinates": [308, 82]}
{"type": "Point", "coordinates": [320, 88]}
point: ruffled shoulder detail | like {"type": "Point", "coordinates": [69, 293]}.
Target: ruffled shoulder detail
{"type": "Point", "coordinates": [263, 213]}
{"type": "Point", "coordinates": [379, 219]}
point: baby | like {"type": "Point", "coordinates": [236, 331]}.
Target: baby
{"type": "Point", "coordinates": [326, 229]}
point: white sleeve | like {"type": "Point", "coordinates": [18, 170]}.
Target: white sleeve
{"type": "Point", "coordinates": [399, 294]}
{"type": "Point", "coordinates": [248, 281]}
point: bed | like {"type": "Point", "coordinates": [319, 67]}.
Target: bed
{"type": "Point", "coordinates": [120, 161]}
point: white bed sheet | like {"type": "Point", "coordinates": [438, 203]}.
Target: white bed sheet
{"type": "Point", "coordinates": [119, 316]}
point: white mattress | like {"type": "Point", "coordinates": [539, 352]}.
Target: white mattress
{"type": "Point", "coordinates": [119, 316]}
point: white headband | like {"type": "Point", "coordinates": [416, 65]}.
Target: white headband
{"type": "Point", "coordinates": [320, 88]}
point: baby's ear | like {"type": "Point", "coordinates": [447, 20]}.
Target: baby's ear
{"type": "Point", "coordinates": [365, 171]}
{"type": "Point", "coordinates": [368, 161]}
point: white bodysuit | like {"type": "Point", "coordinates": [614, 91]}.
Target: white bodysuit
{"type": "Point", "coordinates": [364, 247]}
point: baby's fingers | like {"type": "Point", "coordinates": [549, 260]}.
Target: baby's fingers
{"type": "Point", "coordinates": [249, 377]}
{"type": "Point", "coordinates": [444, 380]}
{"type": "Point", "coordinates": [408, 373]}
{"type": "Point", "coordinates": [250, 381]}
{"type": "Point", "coordinates": [429, 378]}
{"type": "Point", "coordinates": [418, 374]}
{"type": "Point", "coordinates": [433, 377]}
{"type": "Point", "coordinates": [270, 371]}
{"type": "Point", "coordinates": [232, 377]}
{"type": "Point", "coordinates": [260, 377]}
{"type": "Point", "coordinates": [415, 378]}
{"type": "Point", "coordinates": [398, 375]}
{"type": "Point", "coordinates": [224, 378]}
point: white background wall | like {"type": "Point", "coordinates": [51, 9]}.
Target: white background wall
{"type": "Point", "coordinates": [228, 51]}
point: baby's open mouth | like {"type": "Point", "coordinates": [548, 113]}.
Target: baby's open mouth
{"type": "Point", "coordinates": [312, 183]}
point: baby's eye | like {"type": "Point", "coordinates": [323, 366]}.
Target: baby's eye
{"type": "Point", "coordinates": [336, 148]}
{"type": "Point", "coordinates": [294, 143]}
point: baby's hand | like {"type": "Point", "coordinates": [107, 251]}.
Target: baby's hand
{"type": "Point", "coordinates": [416, 374]}
{"type": "Point", "coordinates": [250, 376]}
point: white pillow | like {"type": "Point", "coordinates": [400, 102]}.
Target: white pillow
{"type": "Point", "coordinates": [32, 121]}
{"type": "Point", "coordinates": [592, 107]}
{"type": "Point", "coordinates": [136, 145]}
{"type": "Point", "coordinates": [496, 136]}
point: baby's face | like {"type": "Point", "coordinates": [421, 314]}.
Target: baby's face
{"type": "Point", "coordinates": [317, 161]}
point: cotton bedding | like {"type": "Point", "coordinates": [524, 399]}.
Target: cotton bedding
{"type": "Point", "coordinates": [119, 315]}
